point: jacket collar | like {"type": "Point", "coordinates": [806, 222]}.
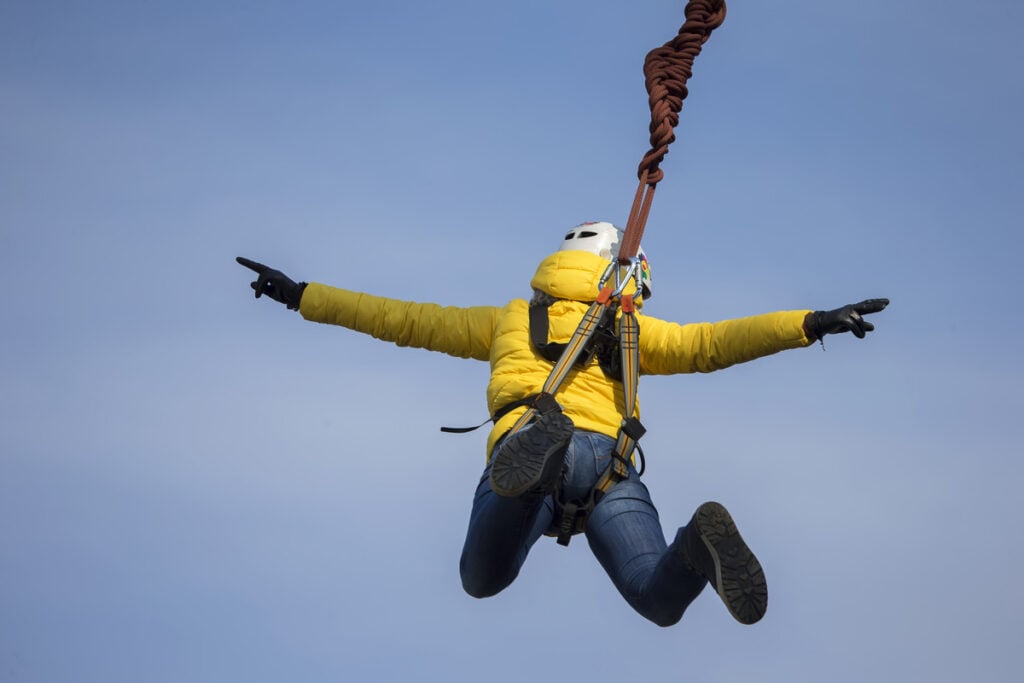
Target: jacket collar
{"type": "Point", "coordinates": [572, 275]}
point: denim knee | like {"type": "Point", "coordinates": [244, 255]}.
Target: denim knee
{"type": "Point", "coordinates": [485, 582]}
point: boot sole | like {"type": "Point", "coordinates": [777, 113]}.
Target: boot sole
{"type": "Point", "coordinates": [739, 578]}
{"type": "Point", "coordinates": [530, 462]}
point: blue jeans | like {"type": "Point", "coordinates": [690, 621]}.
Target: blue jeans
{"type": "Point", "coordinates": [623, 530]}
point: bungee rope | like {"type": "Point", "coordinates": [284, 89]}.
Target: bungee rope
{"type": "Point", "coordinates": [666, 71]}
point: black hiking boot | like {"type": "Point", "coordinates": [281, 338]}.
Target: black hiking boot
{"type": "Point", "coordinates": [530, 463]}
{"type": "Point", "coordinates": [713, 547]}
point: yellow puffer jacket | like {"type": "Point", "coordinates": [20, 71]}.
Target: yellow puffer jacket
{"type": "Point", "coordinates": [501, 335]}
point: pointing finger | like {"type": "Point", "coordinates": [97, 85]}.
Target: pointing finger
{"type": "Point", "coordinates": [251, 265]}
{"type": "Point", "coordinates": [871, 306]}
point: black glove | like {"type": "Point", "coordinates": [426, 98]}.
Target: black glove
{"type": "Point", "coordinates": [274, 284]}
{"type": "Point", "coordinates": [845, 319]}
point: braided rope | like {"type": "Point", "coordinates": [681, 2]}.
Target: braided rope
{"type": "Point", "coordinates": [666, 71]}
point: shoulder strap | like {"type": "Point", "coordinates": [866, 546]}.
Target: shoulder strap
{"type": "Point", "coordinates": [539, 325]}
{"type": "Point", "coordinates": [572, 351]}
{"type": "Point", "coordinates": [603, 344]}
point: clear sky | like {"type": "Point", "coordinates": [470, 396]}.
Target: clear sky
{"type": "Point", "coordinates": [197, 486]}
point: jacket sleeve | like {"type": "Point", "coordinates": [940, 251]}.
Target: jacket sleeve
{"type": "Point", "coordinates": [461, 332]}
{"type": "Point", "coordinates": [667, 348]}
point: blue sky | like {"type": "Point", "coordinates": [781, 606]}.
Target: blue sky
{"type": "Point", "coordinates": [198, 486]}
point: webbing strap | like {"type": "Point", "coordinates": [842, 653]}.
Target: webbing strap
{"type": "Point", "coordinates": [539, 325]}
{"type": "Point", "coordinates": [629, 346]}
{"type": "Point", "coordinates": [591, 321]}
{"type": "Point", "coordinates": [631, 429]}
{"type": "Point", "coordinates": [552, 351]}
{"type": "Point", "coordinates": [541, 402]}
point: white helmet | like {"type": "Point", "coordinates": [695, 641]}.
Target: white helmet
{"type": "Point", "coordinates": [603, 239]}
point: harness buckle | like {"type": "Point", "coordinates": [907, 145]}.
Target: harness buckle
{"type": "Point", "coordinates": [632, 428]}
{"type": "Point", "coordinates": [567, 521]}
{"type": "Point", "coordinates": [545, 403]}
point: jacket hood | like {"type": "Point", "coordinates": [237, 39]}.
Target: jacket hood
{"type": "Point", "coordinates": [573, 275]}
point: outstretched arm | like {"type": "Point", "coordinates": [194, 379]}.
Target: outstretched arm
{"type": "Point", "coordinates": [669, 348]}
{"type": "Point", "coordinates": [456, 331]}
{"type": "Point", "coordinates": [464, 332]}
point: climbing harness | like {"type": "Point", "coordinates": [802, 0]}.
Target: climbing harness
{"type": "Point", "coordinates": [571, 515]}
{"type": "Point", "coordinates": [666, 71]}
{"type": "Point", "coordinates": [603, 347]}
